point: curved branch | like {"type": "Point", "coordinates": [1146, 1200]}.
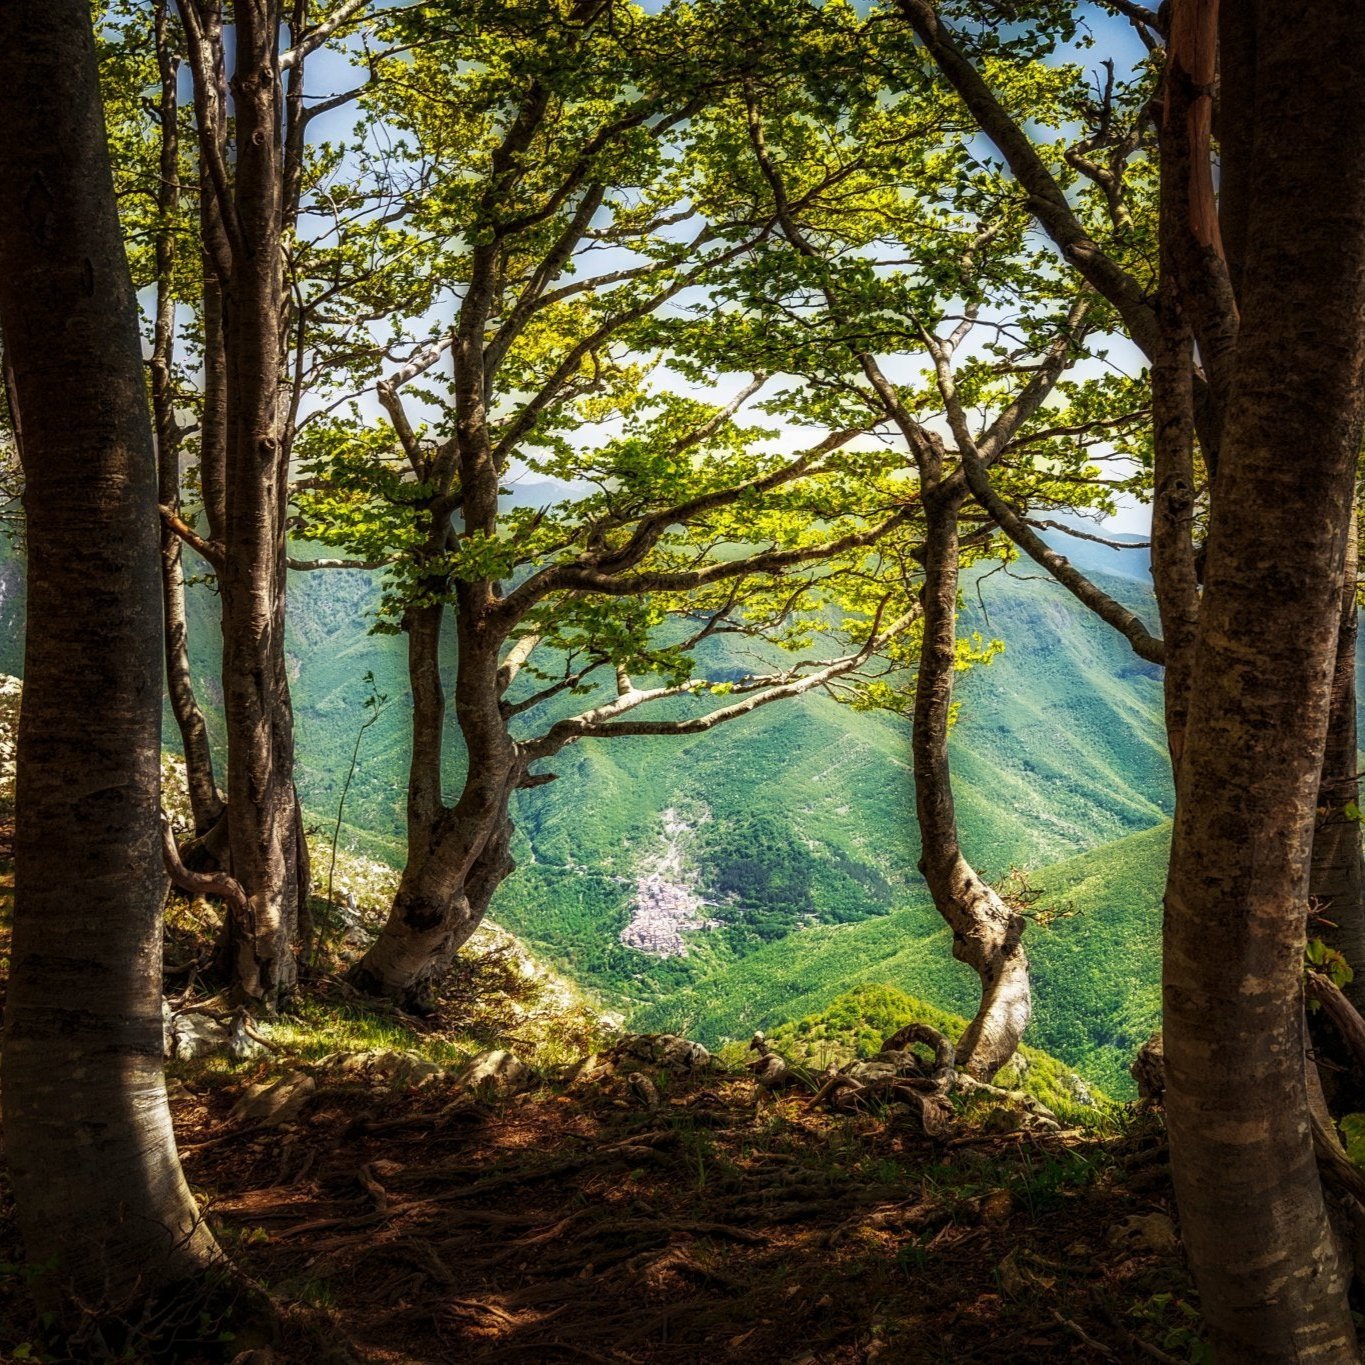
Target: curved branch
{"type": "Point", "coordinates": [1047, 200]}
{"type": "Point", "coordinates": [304, 565]}
{"type": "Point", "coordinates": [218, 884]}
{"type": "Point", "coordinates": [1145, 644]}
{"type": "Point", "coordinates": [320, 33]}
{"type": "Point", "coordinates": [209, 550]}
{"type": "Point", "coordinates": [603, 573]}
{"type": "Point", "coordinates": [600, 723]}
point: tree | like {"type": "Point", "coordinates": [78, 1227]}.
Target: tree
{"type": "Point", "coordinates": [894, 245]}
{"type": "Point", "coordinates": [206, 802]}
{"type": "Point", "coordinates": [1252, 690]}
{"type": "Point", "coordinates": [252, 150]}
{"type": "Point", "coordinates": [1115, 165]}
{"type": "Point", "coordinates": [1261, 685]}
{"type": "Point", "coordinates": [83, 1087]}
{"type": "Point", "coordinates": [555, 143]}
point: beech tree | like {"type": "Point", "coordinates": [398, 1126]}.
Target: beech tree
{"type": "Point", "coordinates": [895, 249]}
{"type": "Point", "coordinates": [263, 311]}
{"type": "Point", "coordinates": [563, 143]}
{"type": "Point", "coordinates": [1118, 258]}
{"type": "Point", "coordinates": [1277, 316]}
{"type": "Point", "coordinates": [83, 1088]}
{"type": "Point", "coordinates": [1236, 1086]}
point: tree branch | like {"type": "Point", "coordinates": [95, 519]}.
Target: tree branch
{"type": "Point", "coordinates": [601, 722]}
{"type": "Point", "coordinates": [305, 565]}
{"type": "Point", "coordinates": [209, 550]}
{"type": "Point", "coordinates": [1047, 200]}
{"type": "Point", "coordinates": [320, 33]}
{"type": "Point", "coordinates": [199, 883]}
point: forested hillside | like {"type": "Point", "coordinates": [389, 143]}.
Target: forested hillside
{"type": "Point", "coordinates": [796, 821]}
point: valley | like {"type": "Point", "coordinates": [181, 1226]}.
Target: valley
{"type": "Point", "coordinates": [794, 878]}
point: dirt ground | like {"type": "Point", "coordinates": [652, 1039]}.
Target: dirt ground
{"type": "Point", "coordinates": [572, 1224]}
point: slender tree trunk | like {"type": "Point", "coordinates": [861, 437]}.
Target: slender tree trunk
{"type": "Point", "coordinates": [243, 237]}
{"type": "Point", "coordinates": [1174, 576]}
{"type": "Point", "coordinates": [425, 801]}
{"type": "Point", "coordinates": [1336, 886]}
{"type": "Point", "coordinates": [434, 914]}
{"type": "Point", "coordinates": [1271, 1285]}
{"type": "Point", "coordinates": [205, 802]}
{"type": "Point", "coordinates": [103, 1207]}
{"type": "Point", "coordinates": [987, 934]}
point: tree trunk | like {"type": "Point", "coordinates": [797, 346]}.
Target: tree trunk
{"type": "Point", "coordinates": [457, 856]}
{"type": "Point", "coordinates": [104, 1210]}
{"type": "Point", "coordinates": [264, 826]}
{"type": "Point", "coordinates": [1271, 1285]}
{"type": "Point", "coordinates": [987, 934]}
{"type": "Point", "coordinates": [205, 802]}
{"type": "Point", "coordinates": [1336, 885]}
{"type": "Point", "coordinates": [434, 914]}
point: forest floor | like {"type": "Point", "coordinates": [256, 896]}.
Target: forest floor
{"type": "Point", "coordinates": [399, 1216]}
{"type": "Point", "coordinates": [570, 1224]}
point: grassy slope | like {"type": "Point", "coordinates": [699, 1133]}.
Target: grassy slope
{"type": "Point", "coordinates": [1096, 970]}
{"type": "Point", "coordinates": [856, 1023]}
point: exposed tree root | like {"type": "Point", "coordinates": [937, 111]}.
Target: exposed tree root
{"type": "Point", "coordinates": [573, 1225]}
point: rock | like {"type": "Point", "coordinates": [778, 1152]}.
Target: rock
{"type": "Point", "coordinates": [665, 1050]}
{"type": "Point", "coordinates": [275, 1102]}
{"type": "Point", "coordinates": [1149, 1070]}
{"type": "Point", "coordinates": [875, 1069]}
{"type": "Point", "coordinates": [1003, 1117]}
{"type": "Point", "coordinates": [497, 1070]}
{"type": "Point", "coordinates": [1012, 1278]}
{"type": "Point", "coordinates": [196, 1035]}
{"type": "Point", "coordinates": [1080, 1092]}
{"type": "Point", "coordinates": [642, 1090]}
{"type": "Point", "coordinates": [241, 1045]}
{"type": "Point", "coordinates": [995, 1207]}
{"type": "Point", "coordinates": [770, 1069]}
{"type": "Point", "coordinates": [1152, 1233]}
{"type": "Point", "coordinates": [379, 1066]}
{"type": "Point", "coordinates": [585, 1069]}
{"type": "Point", "coordinates": [1021, 1277]}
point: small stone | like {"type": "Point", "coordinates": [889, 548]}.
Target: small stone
{"type": "Point", "coordinates": [1081, 1092]}
{"type": "Point", "coordinates": [1012, 1279]}
{"type": "Point", "coordinates": [996, 1207]}
{"type": "Point", "coordinates": [276, 1102]}
{"type": "Point", "coordinates": [241, 1045]}
{"type": "Point", "coordinates": [663, 1050]}
{"type": "Point", "coordinates": [196, 1035]}
{"type": "Point", "coordinates": [642, 1090]}
{"type": "Point", "coordinates": [584, 1070]}
{"type": "Point", "coordinates": [1153, 1233]}
{"type": "Point", "coordinates": [497, 1070]}
{"type": "Point", "coordinates": [387, 1069]}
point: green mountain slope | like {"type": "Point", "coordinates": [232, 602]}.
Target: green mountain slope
{"type": "Point", "coordinates": [1057, 750]}
{"type": "Point", "coordinates": [1096, 969]}
{"type": "Point", "coordinates": [801, 845]}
